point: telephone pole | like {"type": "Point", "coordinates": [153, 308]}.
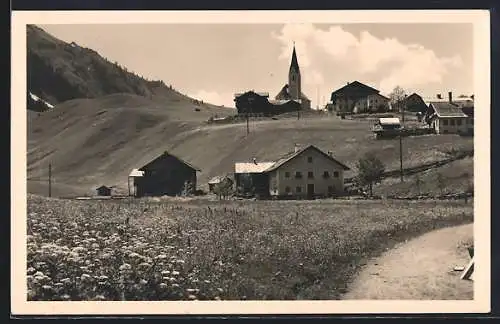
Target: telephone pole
{"type": "Point", "coordinates": [50, 180]}
{"type": "Point", "coordinates": [248, 126]}
{"type": "Point", "coordinates": [402, 108]}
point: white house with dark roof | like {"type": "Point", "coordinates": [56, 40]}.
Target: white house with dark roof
{"type": "Point", "coordinates": [304, 173]}
{"type": "Point", "coordinates": [446, 118]}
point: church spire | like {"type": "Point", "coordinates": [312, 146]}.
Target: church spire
{"type": "Point", "coordinates": [294, 64]}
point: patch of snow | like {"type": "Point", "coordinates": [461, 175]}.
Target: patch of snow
{"type": "Point", "coordinates": [34, 97]}
{"type": "Point", "coordinates": [37, 98]}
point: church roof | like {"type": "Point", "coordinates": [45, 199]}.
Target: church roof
{"type": "Point", "coordinates": [285, 95]}
{"type": "Point", "coordinates": [294, 64]}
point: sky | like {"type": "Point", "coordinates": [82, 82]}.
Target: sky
{"type": "Point", "coordinates": [211, 62]}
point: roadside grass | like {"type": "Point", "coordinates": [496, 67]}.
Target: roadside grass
{"type": "Point", "coordinates": [205, 250]}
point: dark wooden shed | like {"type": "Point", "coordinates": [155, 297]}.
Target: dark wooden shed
{"type": "Point", "coordinates": [104, 191]}
{"type": "Point", "coordinates": [167, 175]}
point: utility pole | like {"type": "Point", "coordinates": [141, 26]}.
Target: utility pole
{"type": "Point", "coordinates": [248, 126]}
{"type": "Point", "coordinates": [50, 180]}
{"type": "Point", "coordinates": [402, 108]}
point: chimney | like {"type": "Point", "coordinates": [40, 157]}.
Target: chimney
{"type": "Point", "coordinates": [296, 148]}
{"type": "Point", "coordinates": [330, 153]}
{"type": "Point", "coordinates": [254, 160]}
{"type": "Point", "coordinates": [450, 97]}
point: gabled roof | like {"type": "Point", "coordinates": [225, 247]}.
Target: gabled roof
{"type": "Point", "coordinates": [258, 167]}
{"type": "Point", "coordinates": [355, 84]}
{"type": "Point", "coordinates": [285, 159]}
{"type": "Point", "coordinates": [165, 154]}
{"type": "Point", "coordinates": [446, 109]}
{"type": "Point", "coordinates": [262, 94]}
{"type": "Point", "coordinates": [285, 95]}
{"type": "Point", "coordinates": [104, 187]}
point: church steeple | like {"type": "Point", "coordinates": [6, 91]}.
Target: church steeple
{"type": "Point", "coordinates": [294, 64]}
{"type": "Point", "coordinates": [294, 82]}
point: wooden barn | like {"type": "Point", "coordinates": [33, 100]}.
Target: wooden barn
{"type": "Point", "coordinates": [252, 102]}
{"type": "Point", "coordinates": [103, 191]}
{"type": "Point", "coordinates": [166, 175]}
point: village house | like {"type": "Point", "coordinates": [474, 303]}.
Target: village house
{"type": "Point", "coordinates": [415, 103]}
{"type": "Point", "coordinates": [166, 175]}
{"type": "Point", "coordinates": [451, 116]}
{"type": "Point", "coordinates": [104, 191]}
{"type": "Point", "coordinates": [356, 97]}
{"type": "Point", "coordinates": [252, 102]}
{"type": "Point", "coordinates": [303, 173]}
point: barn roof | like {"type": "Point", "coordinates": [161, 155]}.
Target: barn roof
{"type": "Point", "coordinates": [290, 156]}
{"type": "Point", "coordinates": [262, 94]}
{"type": "Point", "coordinates": [389, 121]}
{"type": "Point", "coordinates": [104, 187]}
{"type": "Point", "coordinates": [354, 85]}
{"type": "Point", "coordinates": [446, 109]}
{"type": "Point", "coordinates": [217, 179]}
{"type": "Point", "coordinates": [136, 173]}
{"type": "Point", "coordinates": [165, 154]}
{"type": "Point", "coordinates": [258, 167]}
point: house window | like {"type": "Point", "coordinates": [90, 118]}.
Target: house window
{"type": "Point", "coordinates": [326, 174]}
{"type": "Point", "coordinates": [309, 159]}
{"type": "Point", "coordinates": [287, 189]}
{"type": "Point", "coordinates": [445, 122]}
{"type": "Point", "coordinates": [298, 175]}
{"type": "Point", "coordinates": [287, 174]}
{"type": "Point", "coordinates": [310, 174]}
{"type": "Point", "coordinates": [298, 189]}
{"type": "Point", "coordinates": [452, 122]}
{"type": "Point", "coordinates": [459, 122]}
{"type": "Point", "coordinates": [336, 174]}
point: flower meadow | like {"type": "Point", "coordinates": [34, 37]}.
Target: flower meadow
{"type": "Point", "coordinates": [212, 250]}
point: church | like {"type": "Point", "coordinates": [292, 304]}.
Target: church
{"type": "Point", "coordinates": [293, 89]}
{"type": "Point", "coordinates": [290, 98]}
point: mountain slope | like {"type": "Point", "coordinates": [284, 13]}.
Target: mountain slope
{"type": "Point", "coordinates": [60, 71]}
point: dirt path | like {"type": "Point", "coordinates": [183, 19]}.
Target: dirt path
{"type": "Point", "coordinates": [419, 269]}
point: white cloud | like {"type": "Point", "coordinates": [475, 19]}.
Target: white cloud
{"type": "Point", "coordinates": [214, 97]}
{"type": "Point", "coordinates": [393, 62]}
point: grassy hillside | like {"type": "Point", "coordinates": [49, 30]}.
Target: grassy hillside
{"type": "Point", "coordinates": [456, 177]}
{"type": "Point", "coordinates": [60, 71]}
{"type": "Point", "coordinates": [104, 144]}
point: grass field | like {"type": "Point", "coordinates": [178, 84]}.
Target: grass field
{"type": "Point", "coordinates": [199, 249]}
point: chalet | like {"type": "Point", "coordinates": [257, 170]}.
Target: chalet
{"type": "Point", "coordinates": [104, 191]}
{"type": "Point", "coordinates": [356, 97]}
{"type": "Point", "coordinates": [451, 116]}
{"type": "Point", "coordinates": [166, 175]}
{"type": "Point", "coordinates": [415, 103]}
{"type": "Point", "coordinates": [252, 102]}
{"type": "Point", "coordinates": [445, 118]}
{"type": "Point", "coordinates": [303, 173]}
